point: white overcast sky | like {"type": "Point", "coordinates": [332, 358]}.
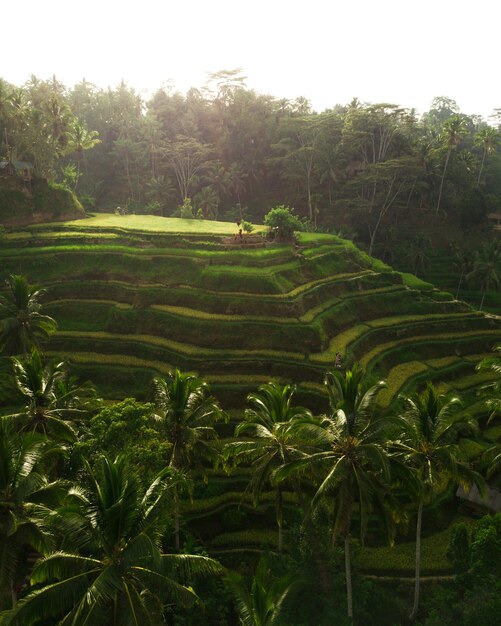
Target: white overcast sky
{"type": "Point", "coordinates": [328, 51]}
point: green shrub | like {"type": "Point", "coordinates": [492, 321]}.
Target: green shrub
{"type": "Point", "coordinates": [282, 222]}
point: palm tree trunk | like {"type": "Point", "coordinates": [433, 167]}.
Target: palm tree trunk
{"type": "Point", "coordinates": [279, 519]}
{"type": "Point", "coordinates": [442, 181]}
{"type": "Point", "coordinates": [177, 543]}
{"type": "Point", "coordinates": [418, 562]}
{"type": "Point", "coordinates": [482, 301]}
{"type": "Point", "coordinates": [347, 565]}
{"type": "Point", "coordinates": [13, 593]}
{"type": "Point", "coordinates": [459, 285]}
{"type": "Point", "coordinates": [481, 167]}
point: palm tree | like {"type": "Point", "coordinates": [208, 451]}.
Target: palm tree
{"type": "Point", "coordinates": [207, 201]}
{"type": "Point", "coordinates": [26, 501]}
{"type": "Point", "coordinates": [486, 267]}
{"type": "Point", "coordinates": [487, 138]}
{"type": "Point", "coordinates": [352, 460]}
{"type": "Point", "coordinates": [22, 325]}
{"type": "Point", "coordinates": [262, 604]}
{"type": "Point", "coordinates": [186, 414]}
{"type": "Point", "coordinates": [418, 256]}
{"type": "Point", "coordinates": [463, 264]}
{"type": "Point", "coordinates": [49, 402]}
{"type": "Point", "coordinates": [493, 364]}
{"type": "Point", "coordinates": [453, 130]}
{"type": "Point", "coordinates": [236, 182]}
{"type": "Point", "coordinates": [80, 140]}
{"type": "Point", "coordinates": [159, 189]}
{"type": "Point", "coordinates": [493, 402]}
{"type": "Point", "coordinates": [275, 426]}
{"type": "Point", "coordinates": [429, 446]}
{"type": "Point", "coordinates": [118, 575]}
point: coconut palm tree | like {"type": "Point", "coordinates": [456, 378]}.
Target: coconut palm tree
{"type": "Point", "coordinates": [418, 253]}
{"type": "Point", "coordinates": [493, 364]}
{"type": "Point", "coordinates": [26, 502]}
{"type": "Point", "coordinates": [492, 391]}
{"type": "Point", "coordinates": [50, 405]}
{"type": "Point", "coordinates": [207, 201]}
{"type": "Point", "coordinates": [453, 130]}
{"type": "Point", "coordinates": [186, 414]}
{"type": "Point", "coordinates": [262, 604]}
{"type": "Point", "coordinates": [486, 268]}
{"type": "Point", "coordinates": [433, 426]}
{"type": "Point", "coordinates": [463, 264]}
{"type": "Point", "coordinates": [22, 325]}
{"type": "Point", "coordinates": [117, 575]}
{"type": "Point", "coordinates": [79, 140]}
{"type": "Point", "coordinates": [487, 138]}
{"type": "Point", "coordinates": [276, 430]}
{"type": "Point", "coordinates": [352, 458]}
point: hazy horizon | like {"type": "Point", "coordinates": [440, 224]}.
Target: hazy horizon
{"type": "Point", "coordinates": [327, 53]}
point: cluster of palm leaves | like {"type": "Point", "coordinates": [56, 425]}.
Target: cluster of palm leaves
{"type": "Point", "coordinates": [356, 459]}
{"type": "Point", "coordinates": [98, 543]}
{"type": "Point", "coordinates": [23, 326]}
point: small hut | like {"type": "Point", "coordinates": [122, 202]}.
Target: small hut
{"type": "Point", "coordinates": [23, 169]}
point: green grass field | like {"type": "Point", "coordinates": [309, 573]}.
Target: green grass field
{"type": "Point", "coordinates": [152, 223]}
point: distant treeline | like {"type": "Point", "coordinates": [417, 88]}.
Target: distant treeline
{"type": "Point", "coordinates": [225, 151]}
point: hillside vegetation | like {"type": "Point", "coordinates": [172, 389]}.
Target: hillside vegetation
{"type": "Point", "coordinates": [35, 202]}
{"type": "Point", "coordinates": [137, 295]}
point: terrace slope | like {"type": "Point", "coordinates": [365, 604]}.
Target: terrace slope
{"type": "Point", "coordinates": [134, 297]}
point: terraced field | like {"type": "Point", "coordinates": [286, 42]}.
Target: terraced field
{"type": "Point", "coordinates": [136, 297]}
{"type": "Point", "coordinates": [133, 298]}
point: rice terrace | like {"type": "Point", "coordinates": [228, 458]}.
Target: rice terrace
{"type": "Point", "coordinates": [249, 360]}
{"type": "Point", "coordinates": [135, 296]}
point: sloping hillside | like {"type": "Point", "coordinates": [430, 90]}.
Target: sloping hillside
{"type": "Point", "coordinates": [35, 201]}
{"type": "Point", "coordinates": [134, 298]}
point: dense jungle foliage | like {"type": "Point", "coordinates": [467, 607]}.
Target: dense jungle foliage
{"type": "Point", "coordinates": [377, 171]}
{"type": "Point", "coordinates": [115, 512]}
{"type": "Point", "coordinates": [176, 510]}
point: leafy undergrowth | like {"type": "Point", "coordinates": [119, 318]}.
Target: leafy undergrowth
{"type": "Point", "coordinates": [400, 559]}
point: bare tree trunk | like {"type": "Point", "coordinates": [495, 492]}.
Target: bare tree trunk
{"type": "Point", "coordinates": [177, 542]}
{"type": "Point", "coordinates": [442, 181]}
{"type": "Point", "coordinates": [417, 581]}
{"type": "Point", "coordinates": [13, 593]}
{"type": "Point", "coordinates": [279, 519]}
{"type": "Point", "coordinates": [459, 284]}
{"type": "Point", "coordinates": [347, 565]}
{"type": "Point", "coordinates": [481, 167]}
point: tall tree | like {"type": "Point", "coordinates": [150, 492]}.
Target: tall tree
{"type": "Point", "coordinates": [493, 364]}
{"type": "Point", "coordinates": [486, 268]}
{"type": "Point", "coordinates": [352, 459]}
{"type": "Point", "coordinates": [453, 131]}
{"type": "Point", "coordinates": [186, 413]}
{"type": "Point", "coordinates": [187, 158]}
{"type": "Point", "coordinates": [298, 146]}
{"type": "Point", "coordinates": [487, 138]}
{"type": "Point", "coordinates": [433, 427]}
{"type": "Point", "coordinates": [80, 140]}
{"type": "Point", "coordinates": [463, 264]}
{"type": "Point", "coordinates": [275, 427]}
